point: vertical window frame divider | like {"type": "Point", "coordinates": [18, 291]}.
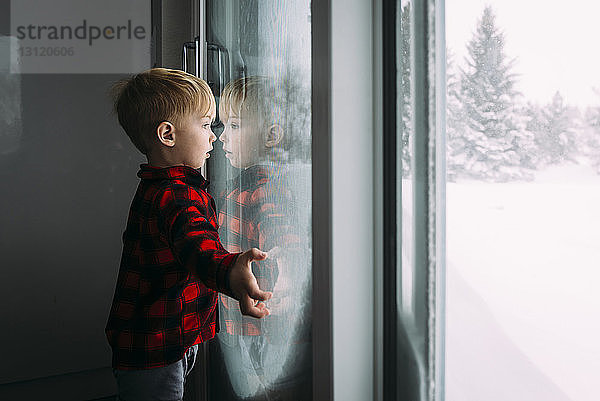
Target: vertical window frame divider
{"type": "Point", "coordinates": [378, 203]}
{"type": "Point", "coordinates": [439, 94]}
{"type": "Point", "coordinates": [428, 91]}
{"type": "Point", "coordinates": [156, 40]}
{"type": "Point", "coordinates": [389, 224]}
{"type": "Point", "coordinates": [427, 54]}
{"type": "Point", "coordinates": [321, 127]}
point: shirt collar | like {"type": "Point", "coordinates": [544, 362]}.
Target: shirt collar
{"type": "Point", "coordinates": [186, 174]}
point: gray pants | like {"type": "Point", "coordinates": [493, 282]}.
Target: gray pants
{"type": "Point", "coordinates": [158, 384]}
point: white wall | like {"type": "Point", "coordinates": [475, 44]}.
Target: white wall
{"type": "Point", "coordinates": [352, 199]}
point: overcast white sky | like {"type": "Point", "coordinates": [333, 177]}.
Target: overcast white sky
{"type": "Point", "coordinates": [555, 43]}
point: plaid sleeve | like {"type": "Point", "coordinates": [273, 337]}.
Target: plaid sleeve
{"type": "Point", "coordinates": [187, 219]}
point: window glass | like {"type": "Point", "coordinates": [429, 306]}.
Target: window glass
{"type": "Point", "coordinates": [259, 70]}
{"type": "Point", "coordinates": [405, 152]}
{"type": "Point", "coordinates": [523, 185]}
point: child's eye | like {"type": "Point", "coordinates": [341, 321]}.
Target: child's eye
{"type": "Point", "coordinates": [206, 126]}
{"type": "Point", "coordinates": [234, 126]}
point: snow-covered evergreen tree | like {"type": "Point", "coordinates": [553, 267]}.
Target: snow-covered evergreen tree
{"type": "Point", "coordinates": [457, 147]}
{"type": "Point", "coordinates": [497, 147]}
{"type": "Point", "coordinates": [404, 95]}
{"type": "Point", "coordinates": [534, 123]}
{"type": "Point", "coordinates": [553, 127]}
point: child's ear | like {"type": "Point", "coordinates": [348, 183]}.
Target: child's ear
{"type": "Point", "coordinates": [274, 135]}
{"type": "Point", "coordinates": [166, 133]}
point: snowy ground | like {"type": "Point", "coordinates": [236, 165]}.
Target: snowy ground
{"type": "Point", "coordinates": [530, 251]}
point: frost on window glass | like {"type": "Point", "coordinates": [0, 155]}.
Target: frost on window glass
{"type": "Point", "coordinates": [262, 173]}
{"type": "Point", "coordinates": [523, 185]}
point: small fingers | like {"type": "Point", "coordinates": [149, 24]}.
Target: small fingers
{"type": "Point", "coordinates": [249, 308]}
{"type": "Point", "coordinates": [255, 292]}
{"type": "Point", "coordinates": [259, 295]}
{"type": "Point", "coordinates": [255, 254]}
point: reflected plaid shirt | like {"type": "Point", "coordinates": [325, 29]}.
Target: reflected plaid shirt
{"type": "Point", "coordinates": [172, 266]}
{"type": "Point", "coordinates": [252, 215]}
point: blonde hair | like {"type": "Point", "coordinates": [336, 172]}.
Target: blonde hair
{"type": "Point", "coordinates": [252, 96]}
{"type": "Point", "coordinates": [143, 101]}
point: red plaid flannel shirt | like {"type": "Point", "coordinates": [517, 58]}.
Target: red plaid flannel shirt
{"type": "Point", "coordinates": [172, 266]}
{"type": "Point", "coordinates": [252, 215]}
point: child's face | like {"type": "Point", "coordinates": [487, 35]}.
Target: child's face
{"type": "Point", "coordinates": [242, 142]}
{"type": "Point", "coordinates": [194, 140]}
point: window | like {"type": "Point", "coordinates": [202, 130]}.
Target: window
{"type": "Point", "coordinates": [522, 193]}
{"type": "Point", "coordinates": [259, 68]}
{"type": "Point", "coordinates": [415, 167]}
{"type": "Point", "coordinates": [512, 183]}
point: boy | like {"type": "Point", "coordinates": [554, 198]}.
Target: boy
{"type": "Point", "coordinates": [258, 210]}
{"type": "Point", "coordinates": [173, 263]}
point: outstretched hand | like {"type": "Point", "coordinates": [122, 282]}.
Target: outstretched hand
{"type": "Point", "coordinates": [245, 287]}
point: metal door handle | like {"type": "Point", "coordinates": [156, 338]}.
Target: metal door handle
{"type": "Point", "coordinates": [195, 46]}
{"type": "Point", "coordinates": [222, 65]}
{"type": "Point", "coordinates": [222, 61]}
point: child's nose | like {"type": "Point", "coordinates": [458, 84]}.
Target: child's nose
{"type": "Point", "coordinates": [222, 136]}
{"type": "Point", "coordinates": [213, 137]}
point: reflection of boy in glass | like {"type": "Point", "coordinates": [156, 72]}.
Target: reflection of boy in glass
{"type": "Point", "coordinates": [255, 211]}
